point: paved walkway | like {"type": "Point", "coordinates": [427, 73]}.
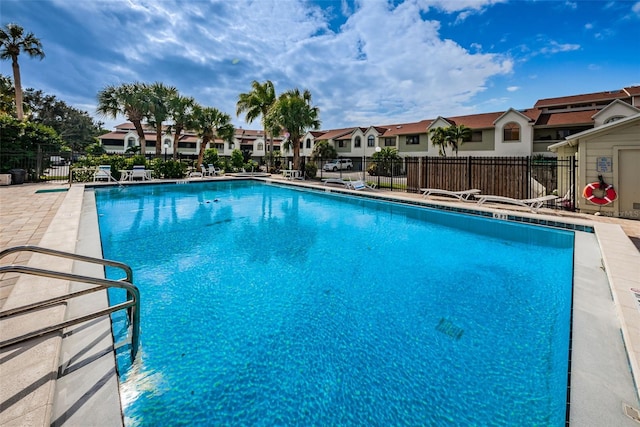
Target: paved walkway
{"type": "Point", "coordinates": [24, 218]}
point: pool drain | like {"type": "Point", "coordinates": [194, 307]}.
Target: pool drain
{"type": "Point", "coordinates": [632, 413]}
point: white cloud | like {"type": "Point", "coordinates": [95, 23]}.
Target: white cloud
{"type": "Point", "coordinates": [385, 63]}
{"type": "Point", "coordinates": [513, 88]}
{"type": "Point", "coordinates": [555, 47]}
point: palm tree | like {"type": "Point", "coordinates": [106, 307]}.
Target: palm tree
{"type": "Point", "coordinates": [456, 136]}
{"type": "Point", "coordinates": [257, 104]}
{"type": "Point", "coordinates": [323, 150]}
{"type": "Point", "coordinates": [438, 139]}
{"type": "Point", "coordinates": [160, 98]}
{"type": "Point", "coordinates": [293, 114]}
{"type": "Point", "coordinates": [210, 123]}
{"type": "Point", "coordinates": [129, 99]}
{"type": "Point", "coordinates": [181, 111]}
{"type": "Point", "coordinates": [13, 40]}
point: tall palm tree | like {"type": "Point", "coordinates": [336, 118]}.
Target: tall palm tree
{"type": "Point", "coordinates": [456, 135]}
{"type": "Point", "coordinates": [181, 112]}
{"type": "Point", "coordinates": [211, 123]}
{"type": "Point", "coordinates": [438, 139]}
{"type": "Point", "coordinates": [257, 104]}
{"type": "Point", "coordinates": [129, 99]}
{"type": "Point", "coordinates": [160, 98]}
{"type": "Point", "coordinates": [292, 113]}
{"type": "Point", "coordinates": [13, 40]}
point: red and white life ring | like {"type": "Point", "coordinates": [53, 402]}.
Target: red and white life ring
{"type": "Point", "coordinates": [609, 194]}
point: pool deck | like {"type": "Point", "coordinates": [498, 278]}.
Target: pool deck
{"type": "Point", "coordinates": [72, 381]}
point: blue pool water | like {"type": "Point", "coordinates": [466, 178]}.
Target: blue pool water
{"type": "Point", "coordinates": [263, 305]}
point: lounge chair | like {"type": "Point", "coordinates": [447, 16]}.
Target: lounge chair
{"type": "Point", "coordinates": [103, 172]}
{"type": "Point", "coordinates": [359, 185]}
{"type": "Point", "coordinates": [140, 172]}
{"type": "Point", "coordinates": [464, 196]}
{"type": "Point", "coordinates": [339, 181]}
{"type": "Point", "coordinates": [533, 204]}
{"type": "Point", "coordinates": [214, 171]}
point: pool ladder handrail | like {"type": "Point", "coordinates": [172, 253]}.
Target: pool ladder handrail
{"type": "Point", "coordinates": [132, 304]}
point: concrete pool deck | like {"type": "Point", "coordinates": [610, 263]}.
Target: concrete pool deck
{"type": "Point", "coordinates": [605, 311]}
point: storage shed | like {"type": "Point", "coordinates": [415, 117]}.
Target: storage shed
{"type": "Point", "coordinates": [609, 153]}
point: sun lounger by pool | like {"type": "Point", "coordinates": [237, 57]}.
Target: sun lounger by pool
{"type": "Point", "coordinates": [464, 196]}
{"type": "Point", "coordinates": [339, 181]}
{"type": "Point", "coordinates": [359, 185]}
{"type": "Point", "coordinates": [103, 172]}
{"type": "Point", "coordinates": [533, 204]}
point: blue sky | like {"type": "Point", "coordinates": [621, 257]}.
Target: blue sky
{"type": "Point", "coordinates": [366, 62]}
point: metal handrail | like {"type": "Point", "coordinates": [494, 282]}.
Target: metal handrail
{"type": "Point", "coordinates": [132, 304]}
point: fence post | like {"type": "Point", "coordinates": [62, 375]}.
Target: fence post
{"type": "Point", "coordinates": [468, 172]}
{"type": "Point", "coordinates": [38, 164]}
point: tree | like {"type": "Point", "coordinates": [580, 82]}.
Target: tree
{"type": "Point", "coordinates": [181, 111]}
{"type": "Point", "coordinates": [160, 100]}
{"type": "Point", "coordinates": [456, 135]}
{"type": "Point", "coordinates": [257, 103]}
{"type": "Point", "coordinates": [7, 96]}
{"type": "Point", "coordinates": [323, 150]}
{"type": "Point", "coordinates": [438, 139]}
{"type": "Point", "coordinates": [384, 161]}
{"type": "Point", "coordinates": [209, 124]}
{"type": "Point", "coordinates": [13, 40]}
{"type": "Point", "coordinates": [292, 113]}
{"type": "Point", "coordinates": [75, 127]}
{"type": "Point", "coordinates": [129, 99]}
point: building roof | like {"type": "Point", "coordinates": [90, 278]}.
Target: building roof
{"type": "Point", "coordinates": [574, 139]}
{"type": "Point", "coordinates": [584, 98]}
{"type": "Point", "coordinates": [404, 128]}
{"type": "Point", "coordinates": [567, 118]}
{"type": "Point", "coordinates": [632, 90]}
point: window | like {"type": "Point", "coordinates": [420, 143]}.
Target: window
{"type": "Point", "coordinates": [511, 132]}
{"type": "Point", "coordinates": [301, 143]}
{"type": "Point", "coordinates": [357, 142]}
{"type": "Point", "coordinates": [308, 142]}
{"type": "Point", "coordinates": [341, 143]}
{"type": "Point", "coordinates": [131, 142]}
{"type": "Point", "coordinates": [389, 142]}
{"type": "Point", "coordinates": [371, 141]}
{"type": "Point", "coordinates": [260, 146]}
{"type": "Point", "coordinates": [613, 119]}
{"type": "Point", "coordinates": [413, 139]}
{"type": "Point", "coordinates": [475, 136]}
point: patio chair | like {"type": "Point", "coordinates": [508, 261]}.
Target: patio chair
{"type": "Point", "coordinates": [339, 181]}
{"type": "Point", "coordinates": [139, 172]}
{"type": "Point", "coordinates": [359, 185]}
{"type": "Point", "coordinates": [103, 172]}
{"type": "Point", "coordinates": [205, 171]}
{"type": "Point", "coordinates": [533, 204]}
{"type": "Point", "coordinates": [214, 171]}
{"type": "Point", "coordinates": [463, 196]}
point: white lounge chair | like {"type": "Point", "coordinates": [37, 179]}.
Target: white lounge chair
{"type": "Point", "coordinates": [205, 171]}
{"type": "Point", "coordinates": [103, 172]}
{"type": "Point", "coordinates": [533, 204]}
{"type": "Point", "coordinates": [359, 185]}
{"type": "Point", "coordinates": [339, 181]}
{"type": "Point", "coordinates": [214, 171]}
{"type": "Point", "coordinates": [463, 196]}
{"type": "Point", "coordinates": [139, 172]}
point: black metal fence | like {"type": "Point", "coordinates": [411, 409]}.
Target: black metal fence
{"type": "Point", "coordinates": [43, 164]}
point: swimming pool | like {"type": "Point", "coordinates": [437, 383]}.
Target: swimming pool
{"type": "Point", "coordinates": [263, 305]}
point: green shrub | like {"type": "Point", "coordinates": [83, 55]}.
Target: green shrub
{"type": "Point", "coordinates": [310, 170]}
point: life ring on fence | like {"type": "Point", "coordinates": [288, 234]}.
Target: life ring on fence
{"type": "Point", "coordinates": [609, 196]}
